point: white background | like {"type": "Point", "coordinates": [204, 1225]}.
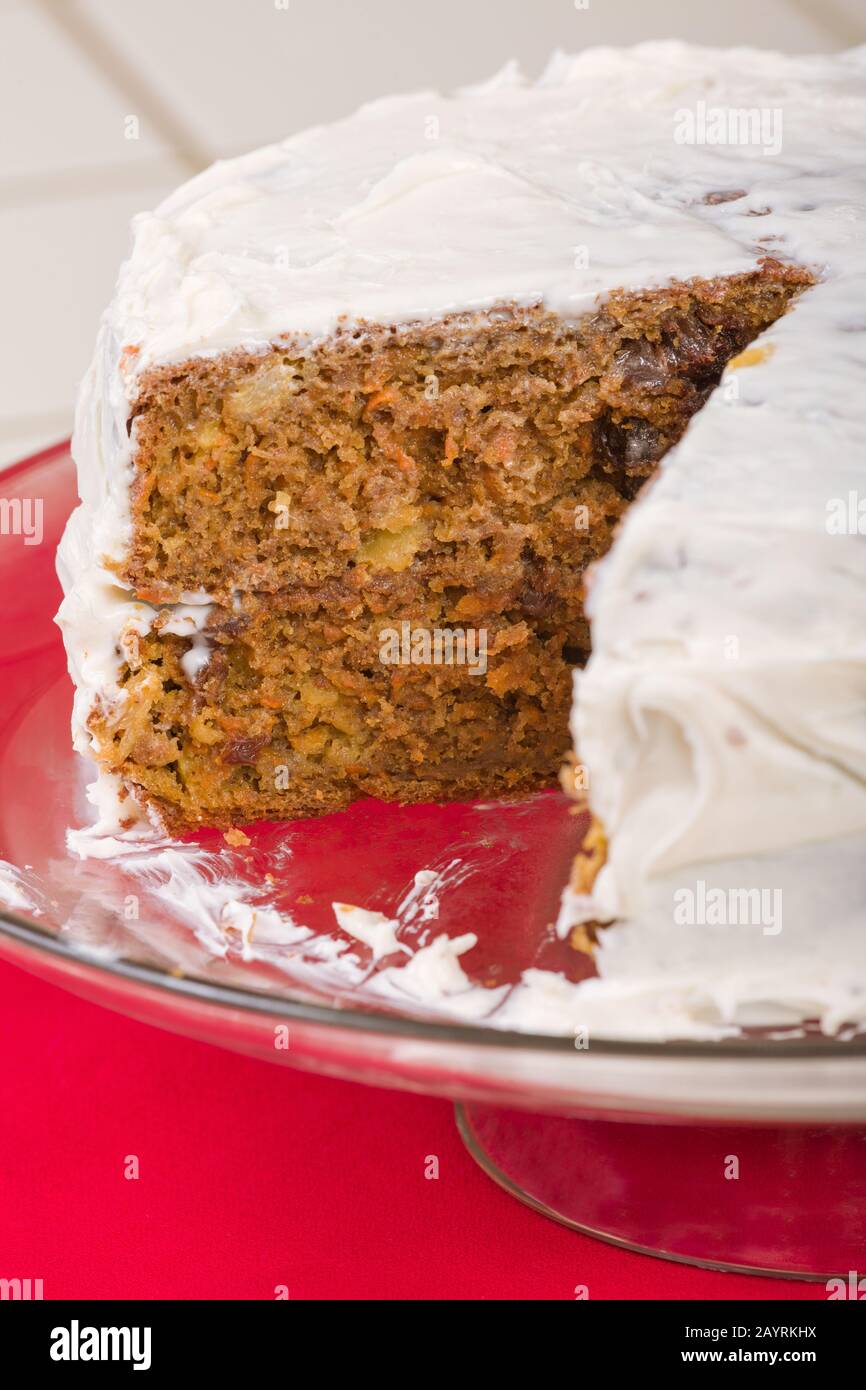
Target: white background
{"type": "Point", "coordinates": [208, 78]}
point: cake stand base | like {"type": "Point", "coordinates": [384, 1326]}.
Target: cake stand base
{"type": "Point", "coordinates": [790, 1202]}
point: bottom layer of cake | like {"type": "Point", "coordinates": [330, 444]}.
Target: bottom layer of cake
{"type": "Point", "coordinates": [299, 716]}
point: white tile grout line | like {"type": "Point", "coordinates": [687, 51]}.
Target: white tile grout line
{"type": "Point", "coordinates": [23, 190]}
{"type": "Point", "coordinates": [52, 421]}
{"type": "Point", "coordinates": [116, 69]}
{"type": "Point", "coordinates": [184, 156]}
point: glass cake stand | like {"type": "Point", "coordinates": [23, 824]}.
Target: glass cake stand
{"type": "Point", "coordinates": [768, 1171]}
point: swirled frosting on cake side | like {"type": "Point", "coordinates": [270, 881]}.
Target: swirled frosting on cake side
{"type": "Point", "coordinates": [722, 714]}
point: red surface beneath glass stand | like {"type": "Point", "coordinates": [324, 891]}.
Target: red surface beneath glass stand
{"type": "Point", "coordinates": [797, 1205]}
{"type": "Point", "coordinates": [789, 1201]}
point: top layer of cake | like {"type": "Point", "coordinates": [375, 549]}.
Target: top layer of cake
{"type": "Point", "coordinates": [421, 205]}
{"type": "Point", "coordinates": [619, 168]}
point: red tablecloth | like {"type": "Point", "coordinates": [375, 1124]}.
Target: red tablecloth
{"type": "Point", "coordinates": [254, 1176]}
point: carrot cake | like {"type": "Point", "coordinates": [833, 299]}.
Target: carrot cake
{"type": "Point", "coordinates": [368, 403]}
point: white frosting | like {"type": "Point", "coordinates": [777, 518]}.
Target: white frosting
{"type": "Point", "coordinates": [722, 715]}
{"type": "Point", "coordinates": [421, 205]}
{"type": "Point", "coordinates": [100, 619]}
{"type": "Point", "coordinates": [723, 711]}
{"type": "Point", "coordinates": [432, 973]}
{"type": "Point", "coordinates": [373, 928]}
{"type": "Point", "coordinates": [14, 893]}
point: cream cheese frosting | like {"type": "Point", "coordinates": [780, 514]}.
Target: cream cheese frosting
{"type": "Point", "coordinates": [421, 205]}
{"type": "Point", "coordinates": [722, 715]}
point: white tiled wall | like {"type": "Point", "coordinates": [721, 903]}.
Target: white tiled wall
{"type": "Point", "coordinates": [205, 78]}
